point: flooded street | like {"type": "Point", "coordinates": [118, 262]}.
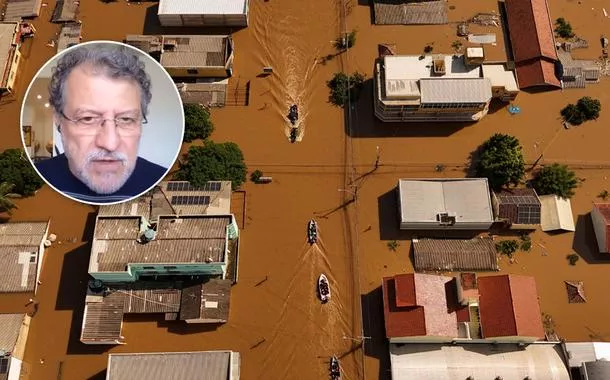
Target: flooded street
{"type": "Point", "coordinates": [276, 322]}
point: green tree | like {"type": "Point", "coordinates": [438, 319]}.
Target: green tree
{"type": "Point", "coordinates": [572, 114]}
{"type": "Point", "coordinates": [563, 28]}
{"type": "Point", "coordinates": [501, 161]}
{"type": "Point", "coordinates": [197, 123]}
{"type": "Point", "coordinates": [555, 179]}
{"type": "Point", "coordinates": [213, 162]}
{"type": "Point", "coordinates": [17, 170]}
{"type": "Point", "coordinates": [589, 107]}
{"type": "Point", "coordinates": [344, 87]}
{"type": "Point", "coordinates": [507, 247]}
{"type": "Point", "coordinates": [6, 204]}
{"type": "Point", "coordinates": [346, 42]}
{"type": "Point", "coordinates": [256, 176]}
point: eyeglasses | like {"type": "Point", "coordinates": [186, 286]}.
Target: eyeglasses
{"type": "Point", "coordinates": [91, 125]}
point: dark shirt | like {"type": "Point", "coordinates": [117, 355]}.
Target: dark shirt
{"type": "Point", "coordinates": [57, 172]}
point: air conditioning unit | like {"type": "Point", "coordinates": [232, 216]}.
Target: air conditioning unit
{"type": "Point", "coordinates": [445, 218]}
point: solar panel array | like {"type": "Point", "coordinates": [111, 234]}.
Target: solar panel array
{"type": "Point", "coordinates": [528, 215]}
{"type": "Point", "coordinates": [519, 199]}
{"type": "Point", "coordinates": [186, 200]}
{"type": "Point", "coordinates": [526, 204]}
{"type": "Point", "coordinates": [186, 186]}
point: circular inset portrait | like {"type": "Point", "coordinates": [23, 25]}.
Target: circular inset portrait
{"type": "Point", "coordinates": [102, 122]}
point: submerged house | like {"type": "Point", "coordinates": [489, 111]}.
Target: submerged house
{"type": "Point", "coordinates": [600, 214]}
{"type": "Point", "coordinates": [14, 329]}
{"type": "Point", "coordinates": [520, 209]}
{"type": "Point", "coordinates": [449, 204]}
{"type": "Point", "coordinates": [458, 88]}
{"type": "Point", "coordinates": [425, 308]}
{"type": "Point", "coordinates": [202, 13]}
{"type": "Point", "coordinates": [202, 365]}
{"type": "Point", "coordinates": [173, 251]}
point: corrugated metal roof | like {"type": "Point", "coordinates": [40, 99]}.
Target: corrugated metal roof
{"type": "Point", "coordinates": [103, 320]}
{"type": "Point", "coordinates": [205, 365]}
{"type": "Point", "coordinates": [69, 36]}
{"type": "Point", "coordinates": [17, 9]}
{"type": "Point", "coordinates": [556, 214]}
{"type": "Point", "coordinates": [195, 51]}
{"type": "Point", "coordinates": [7, 36]}
{"type": "Point", "coordinates": [65, 11]}
{"type": "Point", "coordinates": [455, 90]}
{"type": "Point", "coordinates": [205, 7]}
{"type": "Point", "coordinates": [481, 361]}
{"type": "Point", "coordinates": [410, 13]}
{"type": "Point", "coordinates": [423, 199]}
{"type": "Point", "coordinates": [19, 249]}
{"type": "Point", "coordinates": [477, 254]}
{"type": "Point", "coordinates": [509, 307]}
{"type": "Point", "coordinates": [10, 324]}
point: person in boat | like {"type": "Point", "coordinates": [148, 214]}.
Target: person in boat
{"type": "Point", "coordinates": [293, 115]}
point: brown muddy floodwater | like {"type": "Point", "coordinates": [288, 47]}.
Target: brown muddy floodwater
{"type": "Point", "coordinates": [278, 326]}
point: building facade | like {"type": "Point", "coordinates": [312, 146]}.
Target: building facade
{"type": "Point", "coordinates": [9, 55]}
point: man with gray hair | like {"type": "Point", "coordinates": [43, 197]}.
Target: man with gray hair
{"type": "Point", "coordinates": [100, 94]}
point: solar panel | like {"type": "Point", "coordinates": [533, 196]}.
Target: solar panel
{"type": "Point", "coordinates": [186, 186]}
{"type": "Point", "coordinates": [188, 200]}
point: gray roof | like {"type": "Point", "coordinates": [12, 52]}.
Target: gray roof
{"type": "Point", "coordinates": [19, 243]}
{"type": "Point", "coordinates": [580, 352]}
{"type": "Point", "coordinates": [182, 239]}
{"type": "Point", "coordinates": [477, 254]}
{"type": "Point", "coordinates": [455, 90]}
{"type": "Point", "coordinates": [205, 365]}
{"type": "Point", "coordinates": [16, 9]}
{"type": "Point", "coordinates": [481, 361]}
{"type": "Point", "coordinates": [209, 94]}
{"type": "Point", "coordinates": [10, 324]}
{"type": "Point", "coordinates": [597, 370]}
{"type": "Point", "coordinates": [209, 301]}
{"type": "Point", "coordinates": [468, 198]}
{"type": "Point", "coordinates": [65, 11]}
{"type": "Point", "coordinates": [69, 36]}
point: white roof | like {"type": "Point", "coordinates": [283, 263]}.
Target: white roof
{"type": "Point", "coordinates": [556, 214]}
{"type": "Point", "coordinates": [500, 77]}
{"type": "Point", "coordinates": [481, 361]}
{"type": "Point", "coordinates": [587, 352]}
{"type": "Point", "coordinates": [206, 7]}
{"type": "Point", "coordinates": [475, 52]}
{"type": "Point", "coordinates": [467, 198]}
{"type": "Point", "coordinates": [455, 90]}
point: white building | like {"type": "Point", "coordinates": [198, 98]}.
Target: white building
{"type": "Point", "coordinates": [556, 214]}
{"type": "Point", "coordinates": [232, 13]}
{"type": "Point", "coordinates": [457, 203]}
{"type": "Point", "coordinates": [413, 88]}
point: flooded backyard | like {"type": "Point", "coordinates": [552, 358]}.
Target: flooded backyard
{"type": "Point", "coordinates": [276, 321]}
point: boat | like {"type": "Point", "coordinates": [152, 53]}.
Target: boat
{"type": "Point", "coordinates": [293, 134]}
{"type": "Point", "coordinates": [312, 232]}
{"type": "Point", "coordinates": [335, 369]}
{"type": "Point", "coordinates": [293, 114]}
{"type": "Point", "coordinates": [323, 288]}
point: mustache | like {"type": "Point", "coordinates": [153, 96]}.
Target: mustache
{"type": "Point", "coordinates": [105, 155]}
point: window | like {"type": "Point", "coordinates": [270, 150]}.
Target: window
{"type": "Point", "coordinates": [33, 257]}
{"type": "Point", "coordinates": [4, 364]}
{"type": "Point", "coordinates": [148, 268]}
{"type": "Point", "coordinates": [169, 267]}
{"type": "Point", "coordinates": [192, 71]}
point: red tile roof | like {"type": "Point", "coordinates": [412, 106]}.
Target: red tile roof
{"type": "Point", "coordinates": [430, 316]}
{"type": "Point", "coordinates": [604, 210]}
{"type": "Point", "coordinates": [536, 72]}
{"type": "Point", "coordinates": [533, 43]}
{"type": "Point", "coordinates": [508, 306]}
{"type": "Point", "coordinates": [531, 30]}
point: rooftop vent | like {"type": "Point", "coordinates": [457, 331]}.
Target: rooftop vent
{"type": "Point", "coordinates": [445, 219]}
{"type": "Point", "coordinates": [148, 235]}
{"type": "Point", "coordinates": [438, 65]}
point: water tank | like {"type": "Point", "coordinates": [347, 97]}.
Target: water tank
{"type": "Point", "coordinates": [96, 285]}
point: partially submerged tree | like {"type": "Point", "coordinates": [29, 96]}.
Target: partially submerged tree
{"type": "Point", "coordinates": [6, 204]}
{"type": "Point", "coordinates": [197, 123]}
{"type": "Point", "coordinates": [256, 176]}
{"type": "Point", "coordinates": [17, 170]}
{"type": "Point", "coordinates": [347, 41]}
{"type": "Point", "coordinates": [345, 87]}
{"type": "Point", "coordinates": [213, 162]}
{"type": "Point", "coordinates": [563, 28]}
{"type": "Point", "coordinates": [555, 179]}
{"type": "Point", "coordinates": [585, 109]}
{"type": "Point", "coordinates": [507, 247]}
{"type": "Point", "coordinates": [501, 161]}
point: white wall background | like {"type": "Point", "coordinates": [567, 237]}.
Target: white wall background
{"type": "Point", "coordinates": [162, 136]}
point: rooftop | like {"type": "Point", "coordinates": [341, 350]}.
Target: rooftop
{"type": "Point", "coordinates": [209, 301]}
{"type": "Point", "coordinates": [597, 370]}
{"type": "Point", "coordinates": [604, 210]}
{"type": "Point", "coordinates": [65, 11]}
{"type": "Point", "coordinates": [7, 40]}
{"type": "Point", "coordinates": [509, 307]}
{"type": "Point", "coordinates": [205, 365]}
{"type": "Point", "coordinates": [519, 206]}
{"type": "Point", "coordinates": [10, 324]}
{"type": "Point", "coordinates": [69, 36]}
{"type": "Point", "coordinates": [500, 77]}
{"type": "Point", "coordinates": [556, 213]}
{"type": "Point", "coordinates": [455, 90]}
{"type": "Point", "coordinates": [480, 361]}
{"type": "Point", "coordinates": [17, 9]}
{"type": "Point", "coordinates": [477, 254]}
{"type": "Point", "coordinates": [209, 94]}
{"type": "Point", "coordinates": [423, 199]}
{"type": "Point", "coordinates": [415, 304]}
{"type": "Point", "coordinates": [182, 239]}
{"type": "Point", "coordinates": [410, 13]}
{"type": "Point", "coordinates": [580, 352]}
{"type": "Point", "coordinates": [206, 7]}
{"type": "Point", "coordinates": [20, 243]}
